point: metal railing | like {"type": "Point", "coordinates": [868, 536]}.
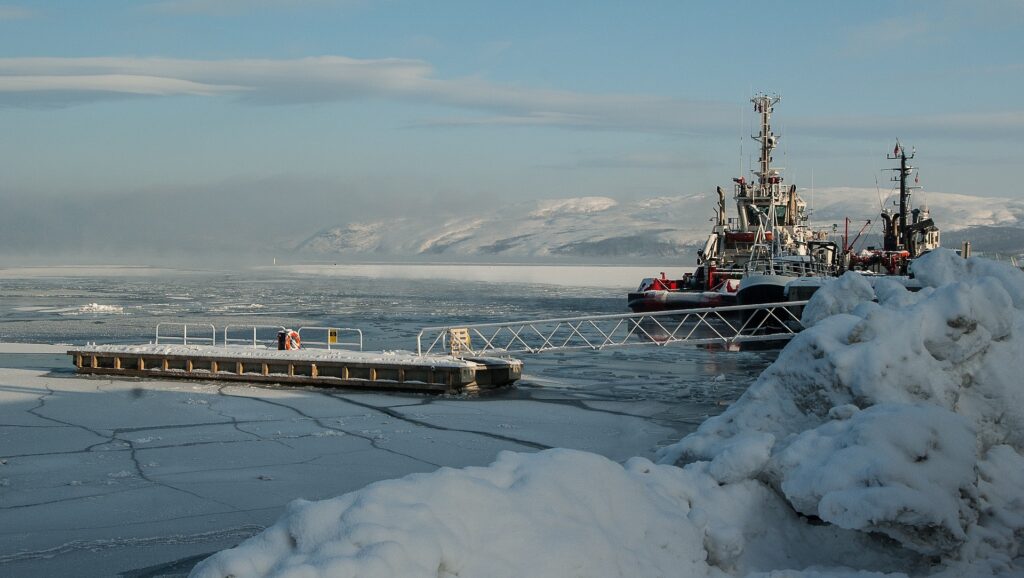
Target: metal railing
{"type": "Point", "coordinates": [336, 333]}
{"type": "Point", "coordinates": [789, 268]}
{"type": "Point", "coordinates": [271, 343]}
{"type": "Point", "coordinates": [714, 325]}
{"type": "Point", "coordinates": [184, 338]}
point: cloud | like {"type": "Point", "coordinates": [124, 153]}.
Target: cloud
{"type": "Point", "coordinates": [889, 34]}
{"type": "Point", "coordinates": [33, 82]}
{"type": "Point", "coordinates": [639, 160]}
{"type": "Point", "coordinates": [229, 7]}
{"type": "Point", "coordinates": [40, 81]}
{"type": "Point", "coordinates": [976, 125]}
{"type": "Point", "coordinates": [985, 15]}
{"type": "Point", "coordinates": [941, 23]}
{"type": "Point", "coordinates": [112, 83]}
{"type": "Point", "coordinates": [10, 12]}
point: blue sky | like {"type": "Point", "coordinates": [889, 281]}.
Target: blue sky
{"type": "Point", "coordinates": [362, 108]}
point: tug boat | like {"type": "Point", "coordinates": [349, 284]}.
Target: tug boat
{"type": "Point", "coordinates": [748, 259]}
{"type": "Point", "coordinates": [906, 235]}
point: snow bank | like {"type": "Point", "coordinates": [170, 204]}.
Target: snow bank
{"type": "Point", "coordinates": [886, 438]}
{"type": "Point", "coordinates": [554, 513]}
{"type": "Point", "coordinates": [557, 513]}
{"type": "Point", "coordinates": [903, 417]}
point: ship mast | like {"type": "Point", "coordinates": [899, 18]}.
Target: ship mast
{"type": "Point", "coordinates": [899, 153]}
{"type": "Point", "coordinates": [768, 180]}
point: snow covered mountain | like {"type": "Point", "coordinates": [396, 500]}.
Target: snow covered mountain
{"type": "Point", "coordinates": [595, 227]}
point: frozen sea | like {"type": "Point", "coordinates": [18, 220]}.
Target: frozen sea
{"type": "Point", "coordinates": [124, 477]}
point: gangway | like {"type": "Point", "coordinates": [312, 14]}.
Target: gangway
{"type": "Point", "coordinates": [726, 326]}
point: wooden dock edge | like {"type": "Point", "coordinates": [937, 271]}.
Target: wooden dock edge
{"type": "Point", "coordinates": [486, 373]}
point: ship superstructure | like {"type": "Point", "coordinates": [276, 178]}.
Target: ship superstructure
{"type": "Point", "coordinates": [907, 233]}
{"type": "Point", "coordinates": [769, 235]}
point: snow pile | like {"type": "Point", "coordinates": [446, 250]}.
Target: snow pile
{"type": "Point", "coordinates": [903, 417]}
{"type": "Point", "coordinates": [886, 438]}
{"type": "Point", "coordinates": [554, 513]}
{"type": "Point", "coordinates": [502, 520]}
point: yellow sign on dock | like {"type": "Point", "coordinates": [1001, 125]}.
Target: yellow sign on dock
{"type": "Point", "coordinates": [459, 339]}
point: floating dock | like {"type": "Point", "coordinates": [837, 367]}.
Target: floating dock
{"type": "Point", "coordinates": [399, 371]}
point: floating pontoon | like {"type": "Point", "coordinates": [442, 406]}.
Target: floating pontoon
{"type": "Point", "coordinates": [235, 359]}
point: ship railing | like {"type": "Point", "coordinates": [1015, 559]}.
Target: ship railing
{"type": "Point", "coordinates": [255, 335]}
{"type": "Point", "coordinates": [790, 268]}
{"type": "Point", "coordinates": [179, 333]}
{"type": "Point", "coordinates": [724, 326]}
{"type": "Point", "coordinates": [332, 337]}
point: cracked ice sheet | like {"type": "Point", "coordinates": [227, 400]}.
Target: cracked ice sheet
{"type": "Point", "coordinates": [546, 424]}
{"type": "Point", "coordinates": [114, 475]}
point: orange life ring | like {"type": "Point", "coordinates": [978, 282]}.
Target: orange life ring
{"type": "Point", "coordinates": [292, 340]}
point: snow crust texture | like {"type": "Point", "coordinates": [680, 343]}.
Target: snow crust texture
{"type": "Point", "coordinates": [886, 440]}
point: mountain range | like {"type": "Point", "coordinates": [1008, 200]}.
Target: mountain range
{"type": "Point", "coordinates": [665, 226]}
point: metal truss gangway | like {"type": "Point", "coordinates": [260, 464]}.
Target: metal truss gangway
{"type": "Point", "coordinates": [725, 326]}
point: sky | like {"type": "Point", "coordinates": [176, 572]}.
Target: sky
{"type": "Point", "coordinates": [188, 125]}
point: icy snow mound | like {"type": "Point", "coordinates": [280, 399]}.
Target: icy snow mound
{"type": "Point", "coordinates": [554, 513]}
{"type": "Point", "coordinates": [557, 513]}
{"type": "Point", "coordinates": [903, 416]}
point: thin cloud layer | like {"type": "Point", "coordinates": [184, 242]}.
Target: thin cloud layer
{"type": "Point", "coordinates": [227, 7]}
{"type": "Point", "coordinates": [965, 125]}
{"type": "Point", "coordinates": [33, 82]}
{"type": "Point", "coordinates": [9, 12]}
{"type": "Point", "coordinates": [36, 82]}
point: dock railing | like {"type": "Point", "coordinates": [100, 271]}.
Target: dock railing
{"type": "Point", "coordinates": [253, 339]}
{"type": "Point", "coordinates": [183, 337]}
{"type": "Point", "coordinates": [332, 337]}
{"type": "Point", "coordinates": [708, 326]}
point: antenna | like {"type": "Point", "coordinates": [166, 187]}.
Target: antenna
{"type": "Point", "coordinates": [878, 191]}
{"type": "Point", "coordinates": [741, 173]}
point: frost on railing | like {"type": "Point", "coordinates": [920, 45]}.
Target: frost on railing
{"type": "Point", "coordinates": [716, 325]}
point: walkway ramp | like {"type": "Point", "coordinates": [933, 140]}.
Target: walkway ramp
{"type": "Point", "coordinates": [725, 326]}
